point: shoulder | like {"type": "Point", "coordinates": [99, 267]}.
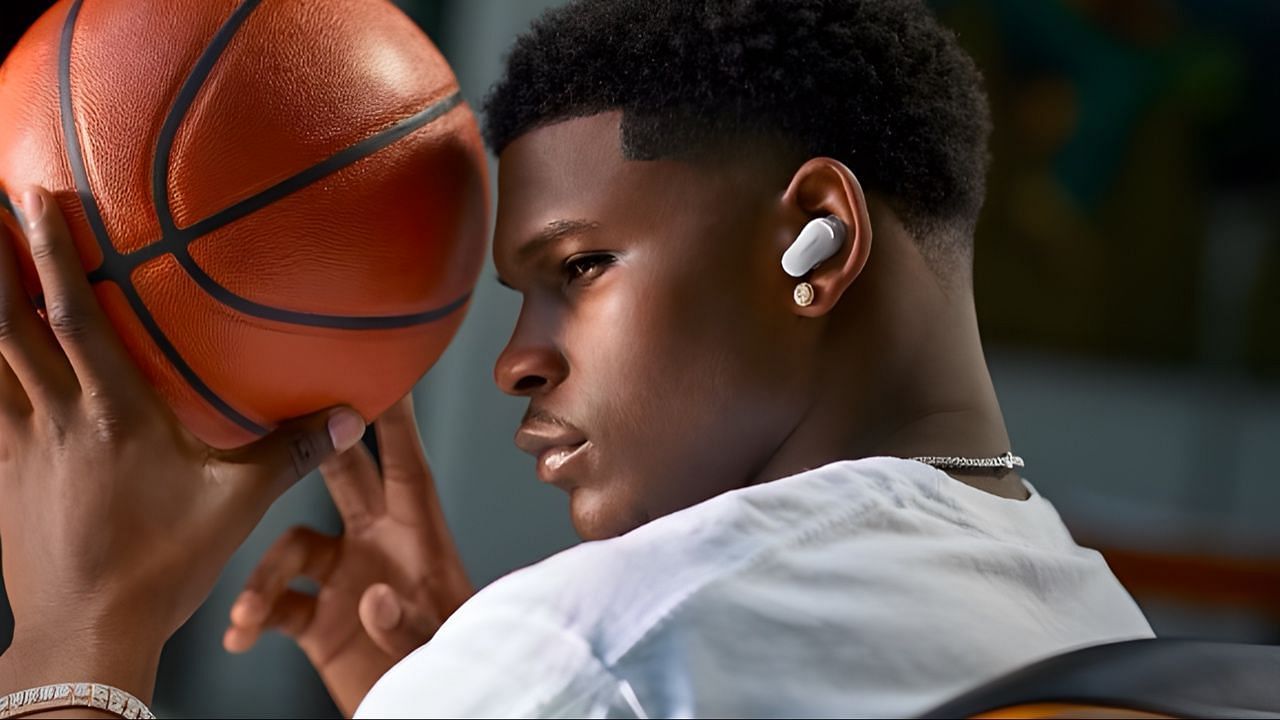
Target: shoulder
{"type": "Point", "coordinates": [612, 592]}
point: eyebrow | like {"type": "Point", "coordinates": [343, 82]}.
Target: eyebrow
{"type": "Point", "coordinates": [555, 230]}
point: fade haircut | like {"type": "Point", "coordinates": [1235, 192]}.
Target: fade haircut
{"type": "Point", "coordinates": [878, 84]}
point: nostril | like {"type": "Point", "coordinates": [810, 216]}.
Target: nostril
{"type": "Point", "coordinates": [529, 383]}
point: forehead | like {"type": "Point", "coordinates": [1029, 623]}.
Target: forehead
{"type": "Point", "coordinates": [574, 170]}
{"type": "Point", "coordinates": [570, 170]}
{"type": "Point", "coordinates": [565, 158]}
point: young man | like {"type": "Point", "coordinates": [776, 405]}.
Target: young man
{"type": "Point", "coordinates": [737, 439]}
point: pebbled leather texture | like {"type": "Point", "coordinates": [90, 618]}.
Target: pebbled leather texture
{"type": "Point", "coordinates": [263, 317]}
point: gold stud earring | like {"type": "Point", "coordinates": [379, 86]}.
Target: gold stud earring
{"type": "Point", "coordinates": [803, 294]}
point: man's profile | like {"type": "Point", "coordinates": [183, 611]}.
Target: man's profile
{"type": "Point", "coordinates": [799, 501]}
{"type": "Point", "coordinates": [656, 160]}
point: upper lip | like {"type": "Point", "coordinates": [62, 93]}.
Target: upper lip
{"type": "Point", "coordinates": [537, 436]}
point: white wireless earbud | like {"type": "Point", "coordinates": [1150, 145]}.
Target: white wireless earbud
{"type": "Point", "coordinates": [819, 240]}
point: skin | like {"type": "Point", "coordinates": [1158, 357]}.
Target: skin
{"type": "Point", "coordinates": [664, 330]}
{"type": "Point", "coordinates": [388, 582]}
{"type": "Point", "coordinates": [658, 345]}
{"type": "Point", "coordinates": [105, 494]}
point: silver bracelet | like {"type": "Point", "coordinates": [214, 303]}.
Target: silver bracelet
{"type": "Point", "coordinates": [68, 695]}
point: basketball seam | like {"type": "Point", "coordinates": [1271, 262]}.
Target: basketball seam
{"type": "Point", "coordinates": [340, 160]}
{"type": "Point", "coordinates": [187, 93]}
{"type": "Point", "coordinates": [337, 322]}
{"type": "Point", "coordinates": [118, 267]}
{"type": "Point", "coordinates": [111, 266]}
{"type": "Point", "coordinates": [177, 240]}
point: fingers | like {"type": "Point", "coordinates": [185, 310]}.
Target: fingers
{"type": "Point", "coordinates": [291, 615]}
{"type": "Point", "coordinates": [409, 487]}
{"type": "Point", "coordinates": [355, 485]}
{"type": "Point", "coordinates": [266, 600]}
{"type": "Point", "coordinates": [390, 622]}
{"type": "Point", "coordinates": [77, 320]}
{"type": "Point", "coordinates": [399, 445]}
{"type": "Point", "coordinates": [13, 399]}
{"type": "Point", "coordinates": [300, 552]}
{"type": "Point", "coordinates": [26, 343]}
{"type": "Point", "coordinates": [273, 464]}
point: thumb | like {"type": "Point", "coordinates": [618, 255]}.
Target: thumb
{"type": "Point", "coordinates": [391, 625]}
{"type": "Point", "coordinates": [273, 464]}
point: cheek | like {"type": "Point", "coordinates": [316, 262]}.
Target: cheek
{"type": "Point", "coordinates": [684, 387]}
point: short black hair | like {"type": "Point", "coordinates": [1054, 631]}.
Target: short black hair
{"type": "Point", "coordinates": [877, 84]}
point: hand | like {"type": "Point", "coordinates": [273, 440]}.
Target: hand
{"type": "Point", "coordinates": [115, 521]}
{"type": "Point", "coordinates": [386, 584]}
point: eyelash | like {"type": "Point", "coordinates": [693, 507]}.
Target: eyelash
{"type": "Point", "coordinates": [583, 269]}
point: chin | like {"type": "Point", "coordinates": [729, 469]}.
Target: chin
{"type": "Point", "coordinates": [599, 514]}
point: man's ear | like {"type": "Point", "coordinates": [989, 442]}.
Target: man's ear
{"type": "Point", "coordinates": [822, 187]}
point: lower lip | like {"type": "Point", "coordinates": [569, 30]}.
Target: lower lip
{"type": "Point", "coordinates": [555, 463]}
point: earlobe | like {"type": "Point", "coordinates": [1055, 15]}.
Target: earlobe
{"type": "Point", "coordinates": [828, 251]}
{"type": "Point", "coordinates": [803, 294]}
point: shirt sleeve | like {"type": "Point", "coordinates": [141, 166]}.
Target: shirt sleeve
{"type": "Point", "coordinates": [498, 662]}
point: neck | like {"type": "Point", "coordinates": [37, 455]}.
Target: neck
{"type": "Point", "coordinates": [935, 395]}
{"type": "Point", "coordinates": [908, 380]}
{"type": "Point", "coordinates": [943, 405]}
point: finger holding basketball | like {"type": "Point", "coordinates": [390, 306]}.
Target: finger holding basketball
{"type": "Point", "coordinates": [42, 373]}
{"type": "Point", "coordinates": [116, 521]}
{"type": "Point", "coordinates": [223, 199]}
{"type": "Point", "coordinates": [245, 170]}
{"type": "Point", "coordinates": [105, 376]}
{"type": "Point", "coordinates": [15, 406]}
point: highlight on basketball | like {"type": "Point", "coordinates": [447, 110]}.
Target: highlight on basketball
{"type": "Point", "coordinates": [639, 358]}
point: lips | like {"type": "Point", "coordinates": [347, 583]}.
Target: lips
{"type": "Point", "coordinates": [554, 463]}
{"type": "Point", "coordinates": [555, 444]}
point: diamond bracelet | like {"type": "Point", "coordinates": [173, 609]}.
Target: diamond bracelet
{"type": "Point", "coordinates": [68, 695]}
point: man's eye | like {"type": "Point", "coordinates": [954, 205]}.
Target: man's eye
{"type": "Point", "coordinates": [582, 269]}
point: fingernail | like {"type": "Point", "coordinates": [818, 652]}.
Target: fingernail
{"type": "Point", "coordinates": [386, 610]}
{"type": "Point", "coordinates": [345, 429]}
{"type": "Point", "coordinates": [32, 207]}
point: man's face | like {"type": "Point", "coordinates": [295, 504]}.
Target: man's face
{"type": "Point", "coordinates": [653, 337]}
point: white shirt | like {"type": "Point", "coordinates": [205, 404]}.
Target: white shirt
{"type": "Point", "coordinates": [877, 587]}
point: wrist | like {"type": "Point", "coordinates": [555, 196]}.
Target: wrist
{"type": "Point", "coordinates": [69, 655]}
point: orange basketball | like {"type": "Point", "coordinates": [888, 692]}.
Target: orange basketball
{"type": "Point", "coordinates": [281, 204]}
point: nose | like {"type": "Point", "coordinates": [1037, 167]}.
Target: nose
{"type": "Point", "coordinates": [532, 362]}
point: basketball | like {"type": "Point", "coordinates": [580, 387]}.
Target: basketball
{"type": "Point", "coordinates": [280, 204]}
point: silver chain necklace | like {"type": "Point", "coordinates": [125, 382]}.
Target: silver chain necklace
{"type": "Point", "coordinates": [1007, 461]}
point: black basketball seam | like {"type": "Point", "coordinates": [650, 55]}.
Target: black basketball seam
{"type": "Point", "coordinates": [118, 267]}
{"type": "Point", "coordinates": [112, 266]}
{"type": "Point", "coordinates": [178, 240]}
{"type": "Point", "coordinates": [187, 93]}
{"type": "Point", "coordinates": [338, 161]}
{"type": "Point", "coordinates": [339, 322]}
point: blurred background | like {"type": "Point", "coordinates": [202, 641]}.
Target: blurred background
{"type": "Point", "coordinates": [1128, 283]}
